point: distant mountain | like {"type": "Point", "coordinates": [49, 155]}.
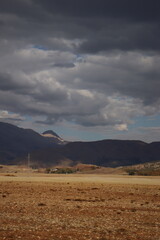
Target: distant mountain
{"type": "Point", "coordinates": [16, 142]}
{"type": "Point", "coordinates": [52, 136]}
{"type": "Point", "coordinates": [108, 153]}
{"type": "Point", "coordinates": [50, 132]}
{"type": "Point", "coordinates": [49, 149]}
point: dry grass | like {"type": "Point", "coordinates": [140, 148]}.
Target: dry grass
{"type": "Point", "coordinates": [79, 207]}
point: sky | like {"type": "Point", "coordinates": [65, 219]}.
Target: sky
{"type": "Point", "coordinates": [86, 69]}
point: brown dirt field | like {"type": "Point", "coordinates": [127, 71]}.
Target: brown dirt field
{"type": "Point", "coordinates": [79, 207]}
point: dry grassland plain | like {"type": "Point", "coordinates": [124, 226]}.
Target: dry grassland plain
{"type": "Point", "coordinates": [79, 207]}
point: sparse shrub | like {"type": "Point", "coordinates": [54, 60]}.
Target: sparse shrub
{"type": "Point", "coordinates": [149, 172]}
{"type": "Point", "coordinates": [48, 170]}
{"type": "Point", "coordinates": [131, 172]}
{"type": "Point", "coordinates": [65, 171]}
{"type": "Point", "coordinates": [61, 170]}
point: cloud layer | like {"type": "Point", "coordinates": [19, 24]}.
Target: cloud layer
{"type": "Point", "coordinates": [93, 63]}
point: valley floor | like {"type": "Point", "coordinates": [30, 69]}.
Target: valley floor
{"type": "Point", "coordinates": [79, 207]}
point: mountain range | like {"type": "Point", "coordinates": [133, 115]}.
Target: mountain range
{"type": "Point", "coordinates": [48, 149]}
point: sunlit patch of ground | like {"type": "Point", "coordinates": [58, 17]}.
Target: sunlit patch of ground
{"type": "Point", "coordinates": [82, 207]}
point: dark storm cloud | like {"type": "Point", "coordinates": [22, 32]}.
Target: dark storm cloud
{"type": "Point", "coordinates": [136, 10]}
{"type": "Point", "coordinates": [104, 25]}
{"type": "Point", "coordinates": [25, 9]}
{"type": "Point", "coordinates": [124, 37]}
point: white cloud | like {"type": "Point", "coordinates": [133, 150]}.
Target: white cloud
{"type": "Point", "coordinates": [5, 115]}
{"type": "Point", "coordinates": [121, 127]}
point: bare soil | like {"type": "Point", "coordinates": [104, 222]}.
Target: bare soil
{"type": "Point", "coordinates": [79, 207]}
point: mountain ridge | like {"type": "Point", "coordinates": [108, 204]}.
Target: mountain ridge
{"type": "Point", "coordinates": [107, 153]}
{"type": "Point", "coordinates": [50, 132]}
{"type": "Point", "coordinates": [51, 135]}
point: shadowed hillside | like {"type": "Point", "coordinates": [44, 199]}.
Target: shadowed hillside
{"type": "Point", "coordinates": [15, 142]}
{"type": "Point", "coordinates": [108, 153]}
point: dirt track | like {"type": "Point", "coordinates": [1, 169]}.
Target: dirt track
{"type": "Point", "coordinates": [79, 207]}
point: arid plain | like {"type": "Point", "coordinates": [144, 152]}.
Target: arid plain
{"type": "Point", "coordinates": [79, 207]}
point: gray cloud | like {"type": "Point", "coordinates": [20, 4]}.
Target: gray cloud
{"type": "Point", "coordinates": [94, 63]}
{"type": "Point", "coordinates": [64, 65]}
